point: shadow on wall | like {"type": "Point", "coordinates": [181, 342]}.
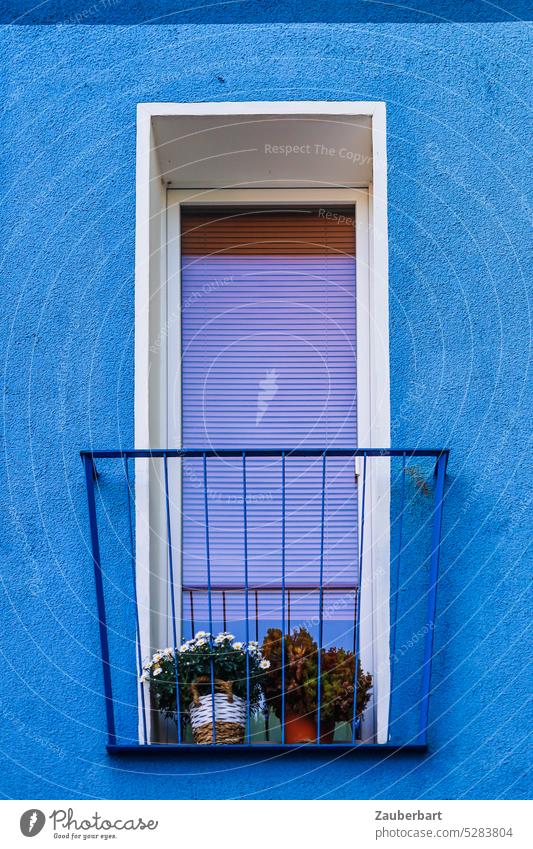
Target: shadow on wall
{"type": "Point", "coordinates": [261, 11]}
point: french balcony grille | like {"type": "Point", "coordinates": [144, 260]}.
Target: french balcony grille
{"type": "Point", "coordinates": [324, 597]}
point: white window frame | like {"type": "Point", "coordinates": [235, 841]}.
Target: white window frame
{"type": "Point", "coordinates": [157, 319]}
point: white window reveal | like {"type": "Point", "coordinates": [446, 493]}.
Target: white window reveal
{"type": "Point", "coordinates": [262, 323]}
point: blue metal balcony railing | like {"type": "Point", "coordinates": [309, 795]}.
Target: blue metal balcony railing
{"type": "Point", "coordinates": [283, 597]}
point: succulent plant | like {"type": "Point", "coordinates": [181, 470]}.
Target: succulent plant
{"type": "Point", "coordinates": [301, 671]}
{"type": "Point", "coordinates": [338, 678]}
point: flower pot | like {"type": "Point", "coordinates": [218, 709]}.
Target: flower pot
{"type": "Point", "coordinates": [230, 716]}
{"type": "Point", "coordinates": [300, 729]}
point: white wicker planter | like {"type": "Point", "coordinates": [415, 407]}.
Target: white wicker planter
{"type": "Point", "coordinates": [230, 718]}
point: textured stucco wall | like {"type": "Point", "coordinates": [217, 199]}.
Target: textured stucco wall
{"type": "Point", "coordinates": [456, 96]}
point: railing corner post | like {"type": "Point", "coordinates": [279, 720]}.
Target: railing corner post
{"type": "Point", "coordinates": [432, 599]}
{"type": "Point", "coordinates": [100, 600]}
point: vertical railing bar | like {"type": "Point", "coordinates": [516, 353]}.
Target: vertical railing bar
{"type": "Point", "coordinates": [321, 600]}
{"type": "Point", "coordinates": [396, 578]}
{"type": "Point", "coordinates": [191, 604]}
{"type": "Point", "coordinates": [100, 601]}
{"type": "Point", "coordinates": [283, 597]}
{"type": "Point", "coordinates": [432, 599]}
{"type": "Point", "coordinates": [256, 617]}
{"type": "Point", "coordinates": [246, 608]}
{"type": "Point", "coordinates": [224, 619]}
{"type": "Point", "coordinates": [137, 624]}
{"type": "Point", "coordinates": [172, 599]}
{"type": "Point", "coordinates": [354, 617]}
{"type": "Point", "coordinates": [209, 600]}
{"type": "Point", "coordinates": [182, 602]}
{"type": "Point", "coordinates": [288, 611]}
{"type": "Point", "coordinates": [358, 617]}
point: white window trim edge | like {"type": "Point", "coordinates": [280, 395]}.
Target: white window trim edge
{"type": "Point", "coordinates": [374, 432]}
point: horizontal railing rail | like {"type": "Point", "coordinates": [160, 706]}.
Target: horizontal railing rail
{"type": "Point", "coordinates": [251, 589]}
{"type": "Point", "coordinates": [153, 453]}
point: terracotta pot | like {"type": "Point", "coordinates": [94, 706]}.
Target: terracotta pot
{"type": "Point", "coordinates": [299, 729]}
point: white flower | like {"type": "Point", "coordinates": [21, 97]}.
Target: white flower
{"type": "Point", "coordinates": [143, 678]}
{"type": "Point", "coordinates": [184, 647]}
{"type": "Point", "coordinates": [253, 646]}
{"type": "Point", "coordinates": [169, 652]}
{"type": "Point", "coordinates": [201, 634]}
{"type": "Point", "coordinates": [201, 641]}
{"type": "Point", "coordinates": [157, 671]}
{"type": "Point", "coordinates": [238, 646]}
{"type": "Point", "coordinates": [265, 664]}
{"type": "Point", "coordinates": [157, 657]}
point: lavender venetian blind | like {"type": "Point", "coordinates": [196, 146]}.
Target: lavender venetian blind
{"type": "Point", "coordinates": [268, 360]}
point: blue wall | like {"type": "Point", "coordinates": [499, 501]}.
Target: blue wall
{"type": "Point", "coordinates": [456, 95]}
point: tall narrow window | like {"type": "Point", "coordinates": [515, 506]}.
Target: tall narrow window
{"type": "Point", "coordinates": [269, 361]}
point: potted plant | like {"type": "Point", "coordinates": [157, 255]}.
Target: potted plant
{"type": "Point", "coordinates": [193, 664]}
{"type": "Point", "coordinates": [301, 662]}
{"type": "Point", "coordinates": [301, 672]}
{"type": "Point", "coordinates": [338, 679]}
